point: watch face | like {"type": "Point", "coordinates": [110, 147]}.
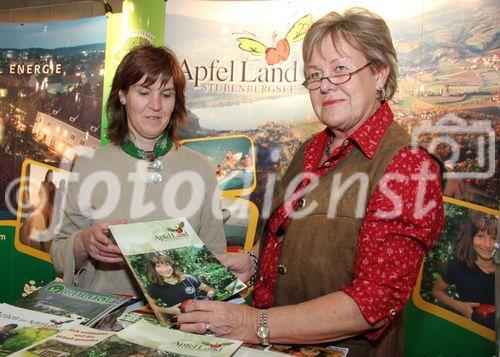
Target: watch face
{"type": "Point", "coordinates": [263, 332]}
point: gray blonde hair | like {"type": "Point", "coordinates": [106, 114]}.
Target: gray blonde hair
{"type": "Point", "coordinates": [362, 30]}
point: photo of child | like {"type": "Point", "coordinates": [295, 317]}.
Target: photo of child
{"type": "Point", "coordinates": [471, 270]}
{"type": "Point", "coordinates": [169, 286]}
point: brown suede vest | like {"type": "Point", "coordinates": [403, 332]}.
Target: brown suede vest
{"type": "Point", "coordinates": [319, 252]}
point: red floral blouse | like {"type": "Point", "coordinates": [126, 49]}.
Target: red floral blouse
{"type": "Point", "coordinates": [390, 251]}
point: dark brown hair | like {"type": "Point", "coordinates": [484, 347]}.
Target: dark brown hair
{"type": "Point", "coordinates": [151, 273]}
{"type": "Point", "coordinates": [154, 62]}
{"type": "Point", "coordinates": [463, 249]}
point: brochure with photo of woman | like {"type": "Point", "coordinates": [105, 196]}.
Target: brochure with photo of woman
{"type": "Point", "coordinates": [172, 265]}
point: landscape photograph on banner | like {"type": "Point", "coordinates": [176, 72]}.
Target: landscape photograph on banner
{"type": "Point", "coordinates": [448, 82]}
{"type": "Point", "coordinates": [233, 160]}
{"type": "Point", "coordinates": [51, 83]}
{"type": "Point", "coordinates": [457, 280]}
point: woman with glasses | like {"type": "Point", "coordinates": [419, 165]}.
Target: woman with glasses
{"type": "Point", "coordinates": [353, 214]}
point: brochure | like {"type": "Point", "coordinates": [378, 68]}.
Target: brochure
{"type": "Point", "coordinates": [66, 343]}
{"type": "Point", "coordinates": [20, 328]}
{"type": "Point", "coordinates": [69, 301]}
{"type": "Point", "coordinates": [145, 339]}
{"type": "Point", "coordinates": [250, 350]}
{"type": "Point", "coordinates": [310, 350]}
{"type": "Point", "coordinates": [129, 318]}
{"type": "Point", "coordinates": [172, 265]}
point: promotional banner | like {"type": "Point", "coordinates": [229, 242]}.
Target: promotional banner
{"type": "Point", "coordinates": [242, 61]}
{"type": "Point", "coordinates": [51, 83]}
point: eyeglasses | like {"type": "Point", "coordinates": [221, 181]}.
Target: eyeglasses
{"type": "Point", "coordinates": [315, 83]}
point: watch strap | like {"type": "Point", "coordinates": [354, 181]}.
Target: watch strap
{"type": "Point", "coordinates": [263, 330]}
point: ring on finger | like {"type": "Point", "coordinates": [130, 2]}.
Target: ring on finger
{"type": "Point", "coordinates": [207, 329]}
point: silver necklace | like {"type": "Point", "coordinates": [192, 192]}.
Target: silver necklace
{"type": "Point", "coordinates": [150, 171]}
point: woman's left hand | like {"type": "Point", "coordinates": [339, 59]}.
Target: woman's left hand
{"type": "Point", "coordinates": [223, 319]}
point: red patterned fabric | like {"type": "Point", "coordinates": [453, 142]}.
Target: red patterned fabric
{"type": "Point", "coordinates": [390, 251]}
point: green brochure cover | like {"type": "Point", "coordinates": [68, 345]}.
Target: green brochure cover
{"type": "Point", "coordinates": [63, 300]}
{"type": "Point", "coordinates": [172, 265]}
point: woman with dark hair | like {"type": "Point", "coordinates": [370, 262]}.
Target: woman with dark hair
{"type": "Point", "coordinates": [472, 271]}
{"type": "Point", "coordinates": [143, 175]}
{"type": "Point", "coordinates": [169, 286]}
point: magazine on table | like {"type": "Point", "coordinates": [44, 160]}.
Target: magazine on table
{"type": "Point", "coordinates": [69, 342]}
{"type": "Point", "coordinates": [251, 350]}
{"type": "Point", "coordinates": [310, 350]}
{"type": "Point", "coordinates": [139, 339]}
{"type": "Point", "coordinates": [172, 265]}
{"type": "Point", "coordinates": [20, 327]}
{"type": "Point", "coordinates": [129, 318]}
{"type": "Point", "coordinates": [70, 301]}
{"type": "Point", "coordinates": [146, 339]}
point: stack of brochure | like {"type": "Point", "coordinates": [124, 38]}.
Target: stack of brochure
{"type": "Point", "coordinates": [139, 339]}
{"type": "Point", "coordinates": [89, 307]}
{"type": "Point", "coordinates": [145, 339]}
{"type": "Point", "coordinates": [172, 266]}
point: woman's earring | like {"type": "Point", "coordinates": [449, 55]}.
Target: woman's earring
{"type": "Point", "coordinates": [381, 93]}
{"type": "Point", "coordinates": [122, 102]}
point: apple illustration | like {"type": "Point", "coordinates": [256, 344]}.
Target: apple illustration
{"type": "Point", "coordinates": [279, 53]}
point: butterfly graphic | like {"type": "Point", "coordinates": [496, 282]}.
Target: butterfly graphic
{"type": "Point", "coordinates": [281, 50]}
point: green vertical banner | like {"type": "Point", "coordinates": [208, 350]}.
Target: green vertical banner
{"type": "Point", "coordinates": [145, 19]}
{"type": "Point", "coordinates": [113, 56]}
{"type": "Point", "coordinates": [141, 23]}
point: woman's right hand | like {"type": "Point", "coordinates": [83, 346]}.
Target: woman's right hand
{"type": "Point", "coordinates": [465, 308]}
{"type": "Point", "coordinates": [94, 242]}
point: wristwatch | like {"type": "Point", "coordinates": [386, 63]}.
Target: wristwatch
{"type": "Point", "coordinates": [263, 329]}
